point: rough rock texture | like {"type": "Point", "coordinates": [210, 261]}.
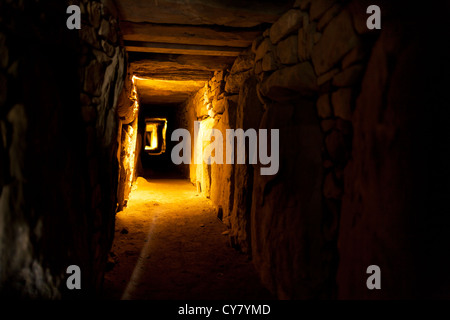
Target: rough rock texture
{"type": "Point", "coordinates": [338, 38]}
{"type": "Point", "coordinates": [287, 50]}
{"type": "Point", "coordinates": [157, 92]}
{"type": "Point", "coordinates": [298, 78]}
{"type": "Point", "coordinates": [353, 185]}
{"type": "Point", "coordinates": [355, 182]}
{"type": "Point", "coordinates": [128, 140]}
{"type": "Point", "coordinates": [287, 209]}
{"type": "Point", "coordinates": [207, 12]}
{"type": "Point", "coordinates": [177, 67]}
{"type": "Point", "coordinates": [189, 40]}
{"type": "Point", "coordinates": [103, 161]}
{"type": "Point", "coordinates": [391, 215]}
{"type": "Point", "coordinates": [355, 109]}
{"type": "Point", "coordinates": [58, 163]}
{"type": "Point", "coordinates": [249, 114]}
{"type": "Point", "coordinates": [220, 105]}
{"type": "Point", "coordinates": [288, 22]}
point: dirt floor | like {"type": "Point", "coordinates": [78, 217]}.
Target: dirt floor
{"type": "Point", "coordinates": [169, 244]}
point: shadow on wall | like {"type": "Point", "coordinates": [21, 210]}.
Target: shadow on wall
{"type": "Point", "coordinates": [364, 149]}
{"type": "Point", "coordinates": [354, 108]}
{"type": "Point", "coordinates": [58, 163]}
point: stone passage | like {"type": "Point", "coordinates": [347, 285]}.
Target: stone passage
{"type": "Point", "coordinates": [169, 245]}
{"type": "Point", "coordinates": [364, 150]}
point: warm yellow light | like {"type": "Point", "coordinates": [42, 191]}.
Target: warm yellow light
{"type": "Point", "coordinates": [137, 78]}
{"type": "Point", "coordinates": [152, 128]}
{"type": "Point", "coordinates": [205, 95]}
{"type": "Point", "coordinates": [131, 151]}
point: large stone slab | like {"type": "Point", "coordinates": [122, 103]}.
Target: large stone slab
{"type": "Point", "coordinates": [299, 78]}
{"type": "Point", "coordinates": [202, 12]}
{"type": "Point", "coordinates": [306, 41]}
{"type": "Point", "coordinates": [349, 76]}
{"type": "Point", "coordinates": [265, 46]}
{"type": "Point", "coordinates": [234, 81]}
{"type": "Point", "coordinates": [155, 91]}
{"type": "Point", "coordinates": [269, 62]}
{"type": "Point", "coordinates": [200, 35]}
{"type": "Point", "coordinates": [287, 50]}
{"type": "Point", "coordinates": [177, 67]}
{"type": "Point", "coordinates": [243, 63]}
{"type": "Point", "coordinates": [94, 74]}
{"type": "Point", "coordinates": [319, 7]}
{"type": "Point", "coordinates": [337, 39]}
{"type": "Point", "coordinates": [249, 113]}
{"type": "Point", "coordinates": [342, 103]}
{"type": "Point", "coordinates": [288, 247]}
{"type": "Point", "coordinates": [288, 23]}
{"type": "Point", "coordinates": [324, 107]}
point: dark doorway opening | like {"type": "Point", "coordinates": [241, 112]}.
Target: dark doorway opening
{"type": "Point", "coordinates": [156, 124]}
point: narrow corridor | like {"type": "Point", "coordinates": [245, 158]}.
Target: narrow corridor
{"type": "Point", "coordinates": [169, 244]}
{"type": "Point", "coordinates": [319, 127]}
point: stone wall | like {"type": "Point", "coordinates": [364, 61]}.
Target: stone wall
{"type": "Point", "coordinates": [363, 176]}
{"type": "Point", "coordinates": [58, 96]}
{"type": "Point", "coordinates": [228, 101]}
{"type": "Point", "coordinates": [128, 139]}
{"type": "Point", "coordinates": [334, 89]}
{"type": "Point", "coordinates": [103, 72]}
{"type": "Point", "coordinates": [285, 221]}
{"type": "Point", "coordinates": [309, 64]}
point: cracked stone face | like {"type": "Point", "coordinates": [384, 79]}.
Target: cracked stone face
{"type": "Point", "coordinates": [203, 12]}
{"type": "Point", "coordinates": [158, 91]}
{"type": "Point", "coordinates": [177, 41]}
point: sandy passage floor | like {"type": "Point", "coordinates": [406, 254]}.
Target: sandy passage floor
{"type": "Point", "coordinates": [169, 245]}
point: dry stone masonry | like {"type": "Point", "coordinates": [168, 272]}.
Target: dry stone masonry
{"type": "Point", "coordinates": [58, 186]}
{"type": "Point", "coordinates": [311, 75]}
{"type": "Point", "coordinates": [293, 79]}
